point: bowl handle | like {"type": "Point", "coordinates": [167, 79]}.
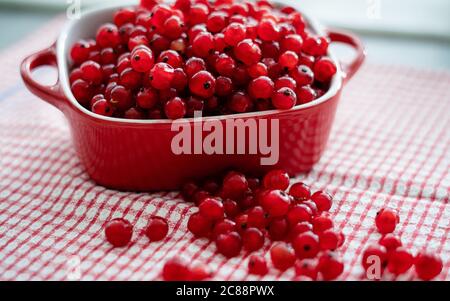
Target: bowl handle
{"type": "Point", "coordinates": [353, 41]}
{"type": "Point", "coordinates": [51, 94]}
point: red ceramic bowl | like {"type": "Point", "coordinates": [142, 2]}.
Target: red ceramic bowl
{"type": "Point", "coordinates": [136, 154]}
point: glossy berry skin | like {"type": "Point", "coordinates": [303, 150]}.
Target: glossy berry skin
{"type": "Point", "coordinates": [240, 102]}
{"type": "Point", "coordinates": [147, 98]}
{"type": "Point", "coordinates": [202, 84]}
{"type": "Point", "coordinates": [261, 87]}
{"type": "Point", "coordinates": [248, 52]}
{"type": "Point", "coordinates": [305, 94]}
{"type": "Point", "coordinates": [292, 42]}
{"type": "Point", "coordinates": [118, 232]}
{"type": "Point", "coordinates": [329, 240]}
{"type": "Point", "coordinates": [299, 228]}
{"type": "Point", "coordinates": [276, 179]}
{"type": "Point", "coordinates": [257, 265]}
{"type": "Point", "coordinates": [282, 255]}
{"type": "Point", "coordinates": [315, 46]}
{"type": "Point", "coordinates": [322, 200]}
{"type": "Point", "coordinates": [276, 203]}
{"type": "Point", "coordinates": [399, 261]}
{"type": "Point", "coordinates": [103, 107]}
{"type": "Point", "coordinates": [285, 82]}
{"type": "Point", "coordinates": [268, 30]}
{"type": "Point", "coordinates": [225, 65]}
{"type": "Point", "coordinates": [427, 266]}
{"type": "Point", "coordinates": [253, 239]}
{"type": "Point", "coordinates": [175, 269]}
{"type": "Point", "coordinates": [300, 191]}
{"type": "Point", "coordinates": [142, 59]}
{"type": "Point", "coordinates": [284, 99]}
{"type": "Point", "coordinates": [231, 208]}
{"type": "Point", "coordinates": [229, 244]}
{"type": "Point", "coordinates": [224, 226]}
{"type": "Point", "coordinates": [386, 220]}
{"type": "Point", "coordinates": [234, 33]}
{"type": "Point", "coordinates": [234, 185]}
{"type": "Point", "coordinates": [390, 242]}
{"type": "Point", "coordinates": [80, 52]}
{"type": "Point", "coordinates": [175, 108]}
{"type": "Point", "coordinates": [288, 60]}
{"type": "Point", "coordinates": [321, 223]}
{"type": "Point", "coordinates": [212, 209]}
{"type": "Point", "coordinates": [307, 267]}
{"type": "Point", "coordinates": [324, 69]}
{"type": "Point", "coordinates": [203, 44]}
{"type": "Point", "coordinates": [157, 228]}
{"type": "Point", "coordinates": [374, 254]}
{"type": "Point", "coordinates": [257, 217]}
{"type": "Point", "coordinates": [306, 245]}
{"type": "Point", "coordinates": [108, 36]}
{"type": "Point", "coordinates": [161, 76]}
{"type": "Point", "coordinates": [121, 98]}
{"type": "Point", "coordinates": [330, 266]}
{"type": "Point", "coordinates": [278, 229]}
{"type": "Point", "coordinates": [299, 213]}
{"type": "Point", "coordinates": [199, 225]}
{"type": "Point", "coordinates": [91, 72]}
{"type": "Point", "coordinates": [302, 75]}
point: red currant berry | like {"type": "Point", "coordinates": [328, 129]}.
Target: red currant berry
{"type": "Point", "coordinates": [323, 200]}
{"type": "Point", "coordinates": [299, 213]}
{"type": "Point", "coordinates": [203, 44]}
{"type": "Point", "coordinates": [121, 98]}
{"type": "Point", "coordinates": [278, 229]}
{"type": "Point", "coordinates": [307, 267]}
{"type": "Point", "coordinates": [80, 52]}
{"type": "Point", "coordinates": [300, 191]}
{"type": "Point", "coordinates": [292, 42]}
{"type": "Point", "coordinates": [253, 239]}
{"type": "Point", "coordinates": [118, 232]}
{"type": "Point", "coordinates": [306, 245]}
{"type": "Point", "coordinates": [124, 15]}
{"type": "Point", "coordinates": [390, 242]}
{"type": "Point", "coordinates": [261, 87]}
{"type": "Point", "coordinates": [276, 203]}
{"type": "Point", "coordinates": [299, 228]}
{"type": "Point", "coordinates": [239, 103]}
{"type": "Point", "coordinates": [427, 266]}
{"type": "Point", "coordinates": [374, 255]}
{"type": "Point", "coordinates": [91, 72]}
{"type": "Point", "coordinates": [234, 33]}
{"type": "Point", "coordinates": [171, 57]}
{"type": "Point", "coordinates": [175, 108]}
{"type": "Point", "coordinates": [212, 209]}
{"type": "Point", "coordinates": [142, 59]}
{"type": "Point", "coordinates": [173, 27]}
{"type": "Point", "coordinates": [330, 266]}
{"type": "Point", "coordinates": [157, 228]}
{"type": "Point", "coordinates": [329, 240]}
{"type": "Point", "coordinates": [229, 244]}
{"type": "Point", "coordinates": [248, 52]}
{"type": "Point", "coordinates": [321, 223]}
{"type": "Point", "coordinates": [108, 36]}
{"type": "Point", "coordinates": [302, 75]}
{"type": "Point", "coordinates": [282, 255]}
{"type": "Point", "coordinates": [268, 30]}
{"type": "Point", "coordinates": [175, 269]}
{"type": "Point", "coordinates": [285, 82]}
{"type": "Point", "coordinates": [199, 225]}
{"type": "Point", "coordinates": [216, 21]}
{"type": "Point", "coordinates": [399, 261]}
{"type": "Point", "coordinates": [202, 84]}
{"type": "Point", "coordinates": [324, 69]}
{"type": "Point", "coordinates": [146, 98]}
{"type": "Point", "coordinates": [225, 65]}
{"type": "Point", "coordinates": [102, 107]}
{"type": "Point", "coordinates": [288, 60]}
{"type": "Point", "coordinates": [284, 99]}
{"type": "Point", "coordinates": [305, 94]}
{"type": "Point", "coordinates": [223, 227]}
{"type": "Point", "coordinates": [316, 46]}
{"type": "Point", "coordinates": [257, 217]}
{"type": "Point", "coordinates": [257, 265]}
{"type": "Point", "coordinates": [231, 208]}
{"type": "Point", "coordinates": [276, 179]}
{"type": "Point", "coordinates": [161, 76]}
{"type": "Point", "coordinates": [234, 185]}
{"type": "Point", "coordinates": [241, 222]}
{"type": "Point", "coordinates": [386, 220]}
{"type": "Point", "coordinates": [224, 86]}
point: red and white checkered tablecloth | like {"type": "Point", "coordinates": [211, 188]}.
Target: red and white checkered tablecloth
{"type": "Point", "coordinates": [389, 147]}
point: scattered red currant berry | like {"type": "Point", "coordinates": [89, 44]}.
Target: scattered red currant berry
{"type": "Point", "coordinates": [118, 232]}
{"type": "Point", "coordinates": [157, 229]}
{"type": "Point", "coordinates": [257, 265]}
{"type": "Point", "coordinates": [386, 220]}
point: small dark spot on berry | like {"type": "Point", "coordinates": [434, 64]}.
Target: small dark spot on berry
{"type": "Point", "coordinates": [287, 92]}
{"type": "Point", "coordinates": [207, 85]}
{"type": "Point", "coordinates": [306, 247]}
{"type": "Point", "coordinates": [165, 59]}
{"type": "Point", "coordinates": [136, 58]}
